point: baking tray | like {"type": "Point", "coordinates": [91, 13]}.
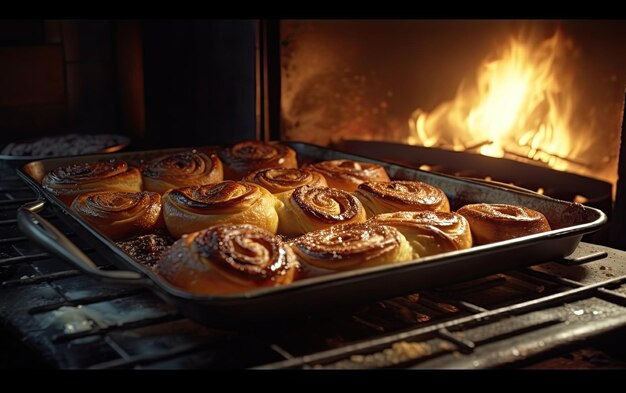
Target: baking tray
{"type": "Point", "coordinates": [570, 221]}
{"type": "Point", "coordinates": [11, 162]}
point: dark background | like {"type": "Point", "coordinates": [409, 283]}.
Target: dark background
{"type": "Point", "coordinates": [162, 83]}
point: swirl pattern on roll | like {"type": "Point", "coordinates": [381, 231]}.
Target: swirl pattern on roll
{"type": "Point", "coordinates": [69, 181]}
{"type": "Point", "coordinates": [387, 197]}
{"type": "Point", "coordinates": [245, 157]}
{"type": "Point", "coordinates": [184, 169]}
{"type": "Point", "coordinates": [347, 174]}
{"type": "Point", "coordinates": [190, 209]}
{"type": "Point", "coordinates": [428, 232]}
{"type": "Point", "coordinates": [120, 215]}
{"type": "Point", "coordinates": [228, 259]}
{"type": "Point", "coordinates": [245, 250]}
{"type": "Point", "coordinates": [277, 180]}
{"type": "Point", "coordinates": [491, 223]}
{"type": "Point", "coordinates": [350, 246]}
{"type": "Point", "coordinates": [220, 198]}
{"type": "Point", "coordinates": [311, 208]}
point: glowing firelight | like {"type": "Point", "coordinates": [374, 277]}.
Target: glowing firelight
{"type": "Point", "coordinates": [519, 105]}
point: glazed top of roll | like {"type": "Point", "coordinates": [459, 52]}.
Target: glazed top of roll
{"type": "Point", "coordinates": [220, 198]}
{"type": "Point", "coordinates": [497, 222]}
{"type": "Point", "coordinates": [117, 205]}
{"type": "Point", "coordinates": [443, 220]}
{"type": "Point", "coordinates": [327, 204]}
{"type": "Point", "coordinates": [245, 251]}
{"type": "Point", "coordinates": [85, 172]}
{"type": "Point", "coordinates": [346, 246]}
{"type": "Point", "coordinates": [180, 168]}
{"type": "Point", "coordinates": [119, 214]}
{"type": "Point", "coordinates": [405, 195]}
{"type": "Point", "coordinates": [277, 180]}
{"type": "Point", "coordinates": [501, 212]}
{"type": "Point", "coordinates": [351, 171]}
{"type": "Point", "coordinates": [451, 229]}
{"type": "Point", "coordinates": [248, 156]}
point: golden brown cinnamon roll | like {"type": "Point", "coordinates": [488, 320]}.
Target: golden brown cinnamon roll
{"type": "Point", "coordinates": [245, 157]}
{"type": "Point", "coordinates": [310, 208]}
{"type": "Point", "coordinates": [70, 181]}
{"type": "Point", "coordinates": [119, 214]}
{"type": "Point", "coordinates": [227, 259]}
{"type": "Point", "coordinates": [277, 180]}
{"type": "Point", "coordinates": [347, 175]}
{"type": "Point", "coordinates": [496, 222]}
{"type": "Point", "coordinates": [185, 169]}
{"type": "Point", "coordinates": [191, 209]}
{"type": "Point", "coordinates": [429, 233]}
{"type": "Point", "coordinates": [387, 197]}
{"type": "Point", "coordinates": [350, 246]}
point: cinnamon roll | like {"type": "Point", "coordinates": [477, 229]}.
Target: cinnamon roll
{"type": "Point", "coordinates": [120, 215]}
{"type": "Point", "coordinates": [428, 232]}
{"type": "Point", "coordinates": [491, 223]}
{"type": "Point", "coordinates": [245, 157]}
{"type": "Point", "coordinates": [347, 174]}
{"type": "Point", "coordinates": [277, 180]}
{"type": "Point", "coordinates": [227, 259]}
{"type": "Point", "coordinates": [311, 208]}
{"type": "Point", "coordinates": [185, 169]}
{"type": "Point", "coordinates": [387, 197]}
{"type": "Point", "coordinates": [350, 246]}
{"type": "Point", "coordinates": [190, 209]}
{"type": "Point", "coordinates": [70, 181]}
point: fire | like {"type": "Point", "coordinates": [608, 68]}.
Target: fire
{"type": "Point", "coordinates": [520, 105]}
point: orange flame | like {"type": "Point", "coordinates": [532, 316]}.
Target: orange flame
{"type": "Point", "coordinates": [521, 105]}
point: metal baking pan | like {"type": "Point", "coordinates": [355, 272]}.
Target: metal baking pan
{"type": "Point", "coordinates": [10, 162]}
{"type": "Point", "coordinates": [569, 221]}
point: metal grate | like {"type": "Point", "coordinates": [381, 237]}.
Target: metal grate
{"type": "Point", "coordinates": [72, 321]}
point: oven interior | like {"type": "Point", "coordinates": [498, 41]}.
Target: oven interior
{"type": "Point", "coordinates": [545, 92]}
{"type": "Point", "coordinates": [360, 86]}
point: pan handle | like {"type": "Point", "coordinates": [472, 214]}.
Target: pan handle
{"type": "Point", "coordinates": [42, 232]}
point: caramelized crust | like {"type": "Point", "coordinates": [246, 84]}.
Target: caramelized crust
{"type": "Point", "coordinates": [497, 222]}
{"type": "Point", "coordinates": [185, 169]}
{"type": "Point", "coordinates": [120, 215]}
{"type": "Point", "coordinates": [147, 249]}
{"type": "Point", "coordinates": [388, 197]}
{"type": "Point", "coordinates": [350, 246]}
{"type": "Point", "coordinates": [191, 209]}
{"type": "Point", "coordinates": [429, 233]}
{"type": "Point", "coordinates": [347, 174]}
{"type": "Point", "coordinates": [113, 175]}
{"type": "Point", "coordinates": [277, 180]}
{"type": "Point", "coordinates": [227, 259]}
{"type": "Point", "coordinates": [310, 208]}
{"type": "Point", "coordinates": [245, 157]}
